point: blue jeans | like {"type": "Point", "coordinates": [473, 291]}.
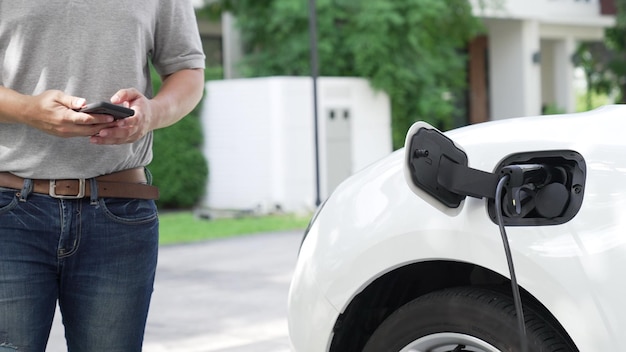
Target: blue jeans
{"type": "Point", "coordinates": [96, 257]}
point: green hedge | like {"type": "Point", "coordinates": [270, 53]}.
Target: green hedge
{"type": "Point", "coordinates": [179, 168]}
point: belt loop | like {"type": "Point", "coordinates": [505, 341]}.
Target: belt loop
{"type": "Point", "coordinates": [93, 187]}
{"type": "Point", "coordinates": [27, 189]}
{"type": "Point", "coordinates": [148, 175]}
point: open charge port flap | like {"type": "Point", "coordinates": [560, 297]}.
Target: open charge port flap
{"type": "Point", "coordinates": [428, 147]}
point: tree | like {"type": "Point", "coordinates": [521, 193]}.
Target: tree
{"type": "Point", "coordinates": [604, 64]}
{"type": "Point", "coordinates": [615, 39]}
{"type": "Point", "coordinates": [411, 49]}
{"type": "Point", "coordinates": [594, 58]}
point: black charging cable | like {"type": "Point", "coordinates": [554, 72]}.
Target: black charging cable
{"type": "Point", "coordinates": [509, 258]}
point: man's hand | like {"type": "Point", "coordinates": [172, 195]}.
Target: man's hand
{"type": "Point", "coordinates": [132, 128]}
{"type": "Point", "coordinates": [53, 112]}
{"type": "Point", "coordinates": [179, 94]}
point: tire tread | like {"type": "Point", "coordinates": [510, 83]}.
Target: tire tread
{"type": "Point", "coordinates": [542, 334]}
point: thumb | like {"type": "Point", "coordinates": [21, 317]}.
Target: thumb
{"type": "Point", "coordinates": [126, 96]}
{"type": "Point", "coordinates": [73, 102]}
{"type": "Point", "coordinates": [122, 95]}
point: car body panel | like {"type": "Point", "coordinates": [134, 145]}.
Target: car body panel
{"type": "Point", "coordinates": [374, 223]}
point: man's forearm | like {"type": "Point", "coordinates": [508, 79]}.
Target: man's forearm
{"type": "Point", "coordinates": [12, 105]}
{"type": "Point", "coordinates": [179, 94]}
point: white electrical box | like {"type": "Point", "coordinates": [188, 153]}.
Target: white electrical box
{"type": "Point", "coordinates": [260, 140]}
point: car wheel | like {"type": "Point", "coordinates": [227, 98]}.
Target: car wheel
{"type": "Point", "coordinates": [464, 319]}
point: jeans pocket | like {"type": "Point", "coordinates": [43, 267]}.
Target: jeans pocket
{"type": "Point", "coordinates": [8, 200]}
{"type": "Point", "coordinates": [129, 211]}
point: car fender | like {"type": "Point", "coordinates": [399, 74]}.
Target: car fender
{"type": "Point", "coordinates": [374, 223]}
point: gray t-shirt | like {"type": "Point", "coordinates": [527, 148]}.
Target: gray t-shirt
{"type": "Point", "coordinates": [89, 49]}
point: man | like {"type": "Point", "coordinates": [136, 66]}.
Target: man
{"type": "Point", "coordinates": [78, 223]}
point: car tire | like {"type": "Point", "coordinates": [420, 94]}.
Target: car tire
{"type": "Point", "coordinates": [464, 319]}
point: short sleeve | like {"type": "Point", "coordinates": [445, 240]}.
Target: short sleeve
{"type": "Point", "coordinates": [177, 44]}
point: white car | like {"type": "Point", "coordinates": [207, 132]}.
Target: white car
{"type": "Point", "coordinates": [408, 255]}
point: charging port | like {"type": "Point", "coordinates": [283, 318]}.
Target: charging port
{"type": "Point", "coordinates": [544, 188]}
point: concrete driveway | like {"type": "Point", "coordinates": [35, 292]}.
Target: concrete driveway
{"type": "Point", "coordinates": [225, 295]}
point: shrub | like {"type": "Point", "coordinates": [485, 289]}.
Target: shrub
{"type": "Point", "coordinates": [179, 168]}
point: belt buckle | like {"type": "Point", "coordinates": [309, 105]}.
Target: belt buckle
{"type": "Point", "coordinates": [81, 190]}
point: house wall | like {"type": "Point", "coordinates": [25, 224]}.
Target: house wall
{"type": "Point", "coordinates": [531, 44]}
{"type": "Point", "coordinates": [514, 72]}
{"type": "Point", "coordinates": [572, 12]}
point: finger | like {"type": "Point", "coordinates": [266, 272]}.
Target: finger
{"type": "Point", "coordinates": [104, 137]}
{"type": "Point", "coordinates": [124, 96]}
{"type": "Point", "coordinates": [72, 102]}
{"type": "Point", "coordinates": [111, 135]}
{"type": "Point", "coordinates": [100, 140]}
{"type": "Point", "coordinates": [94, 119]}
{"type": "Point", "coordinates": [119, 97]}
{"type": "Point", "coordinates": [77, 130]}
{"type": "Point", "coordinates": [128, 121]}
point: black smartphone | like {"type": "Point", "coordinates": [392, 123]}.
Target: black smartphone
{"type": "Point", "coordinates": [117, 111]}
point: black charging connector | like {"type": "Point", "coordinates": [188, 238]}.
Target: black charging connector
{"type": "Point", "coordinates": [524, 180]}
{"type": "Point", "coordinates": [524, 174]}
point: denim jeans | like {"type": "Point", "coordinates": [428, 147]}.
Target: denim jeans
{"type": "Point", "coordinates": [95, 257]}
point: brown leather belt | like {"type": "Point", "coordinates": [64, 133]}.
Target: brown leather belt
{"type": "Point", "coordinates": [129, 183]}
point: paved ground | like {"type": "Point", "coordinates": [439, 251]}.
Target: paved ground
{"type": "Point", "coordinates": [219, 296]}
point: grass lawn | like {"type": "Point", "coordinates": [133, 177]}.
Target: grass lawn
{"type": "Point", "coordinates": [184, 227]}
